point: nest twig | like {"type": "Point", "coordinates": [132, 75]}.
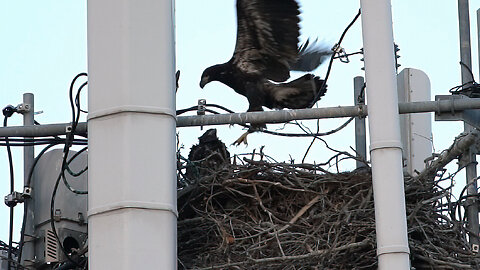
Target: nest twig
{"type": "Point", "coordinates": [269, 215]}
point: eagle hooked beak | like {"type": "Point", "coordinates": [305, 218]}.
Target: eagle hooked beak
{"type": "Point", "coordinates": [204, 81]}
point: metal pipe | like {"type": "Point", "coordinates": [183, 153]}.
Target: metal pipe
{"type": "Point", "coordinates": [41, 130]}
{"type": "Point", "coordinates": [131, 161]}
{"type": "Point", "coordinates": [469, 158]}
{"type": "Point", "coordinates": [438, 106]}
{"type": "Point", "coordinates": [465, 43]}
{"type": "Point", "coordinates": [360, 128]}
{"type": "Point", "coordinates": [28, 252]}
{"type": "Point", "coordinates": [385, 141]}
{"type": "Point", "coordinates": [478, 40]}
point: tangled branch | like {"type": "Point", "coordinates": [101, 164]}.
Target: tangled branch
{"type": "Point", "coordinates": [271, 215]}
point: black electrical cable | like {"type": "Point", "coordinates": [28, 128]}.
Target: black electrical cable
{"type": "Point", "coordinates": [16, 139]}
{"type": "Point", "coordinates": [76, 174]}
{"type": "Point", "coordinates": [77, 100]}
{"type": "Point", "coordinates": [309, 134]}
{"type": "Point", "coordinates": [220, 107]}
{"type": "Point", "coordinates": [348, 54]}
{"type": "Point", "coordinates": [333, 56]}
{"type": "Point", "coordinates": [361, 95]}
{"type": "Point", "coordinates": [461, 197]}
{"type": "Point", "coordinates": [470, 88]}
{"type": "Point", "coordinates": [80, 192]}
{"type": "Point", "coordinates": [7, 112]}
{"type": "Point", "coordinates": [468, 69]}
{"type": "Point", "coordinates": [66, 149]}
{"type": "Point", "coordinates": [39, 143]}
{"type": "Point", "coordinates": [42, 141]}
{"type": "Point", "coordinates": [317, 97]}
{"type": "Point", "coordinates": [195, 108]}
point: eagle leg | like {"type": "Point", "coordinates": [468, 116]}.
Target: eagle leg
{"type": "Point", "coordinates": [253, 128]}
{"type": "Point", "coordinates": [256, 99]}
{"type": "Point", "coordinates": [242, 139]}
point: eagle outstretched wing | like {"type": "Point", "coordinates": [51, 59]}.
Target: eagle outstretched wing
{"type": "Point", "coordinates": [267, 38]}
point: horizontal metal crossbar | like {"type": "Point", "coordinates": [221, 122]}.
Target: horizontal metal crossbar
{"type": "Point", "coordinates": [280, 116]}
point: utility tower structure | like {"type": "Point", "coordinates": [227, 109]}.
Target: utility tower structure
{"type": "Point", "coordinates": [126, 56]}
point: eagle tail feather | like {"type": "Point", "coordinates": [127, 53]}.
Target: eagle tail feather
{"type": "Point", "coordinates": [301, 93]}
{"type": "Point", "coordinates": [311, 55]}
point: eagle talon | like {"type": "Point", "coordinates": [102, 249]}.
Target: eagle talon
{"type": "Point", "coordinates": [242, 139]}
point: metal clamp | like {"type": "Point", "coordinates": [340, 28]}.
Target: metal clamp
{"type": "Point", "coordinates": [341, 53]}
{"type": "Point", "coordinates": [27, 192]}
{"type": "Point", "coordinates": [362, 111]}
{"type": "Point", "coordinates": [23, 108]}
{"type": "Point", "coordinates": [14, 198]}
{"type": "Point", "coordinates": [201, 106]}
{"type": "Point", "coordinates": [57, 215]}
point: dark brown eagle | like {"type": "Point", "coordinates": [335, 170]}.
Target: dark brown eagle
{"type": "Point", "coordinates": [265, 53]}
{"type": "Point", "coordinates": [209, 155]}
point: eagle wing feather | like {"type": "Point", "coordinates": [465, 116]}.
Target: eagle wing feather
{"type": "Point", "coordinates": [267, 37]}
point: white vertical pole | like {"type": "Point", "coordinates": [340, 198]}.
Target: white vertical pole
{"type": "Point", "coordinates": [385, 141]}
{"type": "Point", "coordinates": [131, 130]}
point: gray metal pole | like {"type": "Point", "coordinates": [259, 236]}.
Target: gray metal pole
{"type": "Point", "coordinates": [360, 128]}
{"type": "Point", "coordinates": [42, 130]}
{"type": "Point", "coordinates": [464, 34]}
{"type": "Point", "coordinates": [281, 116]}
{"type": "Point", "coordinates": [478, 39]}
{"type": "Point", "coordinates": [28, 254]}
{"type": "Point", "coordinates": [469, 158]}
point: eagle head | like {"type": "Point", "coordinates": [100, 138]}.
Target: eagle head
{"type": "Point", "coordinates": [206, 77]}
{"type": "Point", "coordinates": [216, 73]}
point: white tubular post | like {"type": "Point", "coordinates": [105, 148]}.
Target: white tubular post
{"type": "Point", "coordinates": [385, 141]}
{"type": "Point", "coordinates": [131, 135]}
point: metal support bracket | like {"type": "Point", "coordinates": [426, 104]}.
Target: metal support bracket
{"type": "Point", "coordinates": [12, 199]}
{"type": "Point", "coordinates": [23, 108]}
{"type": "Point", "coordinates": [27, 192]}
{"type": "Point", "coordinates": [201, 106]}
{"type": "Point", "coordinates": [471, 117]}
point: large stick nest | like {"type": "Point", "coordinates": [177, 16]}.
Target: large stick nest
{"type": "Point", "coordinates": [265, 215]}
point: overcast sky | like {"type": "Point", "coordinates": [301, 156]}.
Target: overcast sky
{"type": "Point", "coordinates": [44, 46]}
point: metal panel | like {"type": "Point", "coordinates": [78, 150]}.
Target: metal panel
{"type": "Point", "coordinates": [413, 86]}
{"type": "Point", "coordinates": [70, 208]}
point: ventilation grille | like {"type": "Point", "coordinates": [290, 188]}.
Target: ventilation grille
{"type": "Point", "coordinates": [51, 247]}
